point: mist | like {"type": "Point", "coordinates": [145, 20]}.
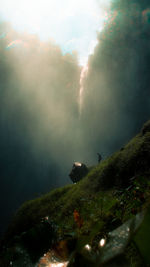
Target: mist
{"type": "Point", "coordinates": [53, 112]}
{"type": "Point", "coordinates": [38, 117]}
{"type": "Point", "coordinates": [116, 89]}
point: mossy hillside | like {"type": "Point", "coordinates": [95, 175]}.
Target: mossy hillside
{"type": "Point", "coordinates": [93, 196]}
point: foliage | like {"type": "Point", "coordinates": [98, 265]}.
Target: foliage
{"type": "Point", "coordinates": [112, 193]}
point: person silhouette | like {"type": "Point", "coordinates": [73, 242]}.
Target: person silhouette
{"type": "Point", "coordinates": [99, 157]}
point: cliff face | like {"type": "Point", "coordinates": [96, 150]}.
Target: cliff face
{"type": "Point", "coordinates": [110, 195]}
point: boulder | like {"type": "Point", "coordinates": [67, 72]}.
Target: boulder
{"type": "Point", "coordinates": [79, 170]}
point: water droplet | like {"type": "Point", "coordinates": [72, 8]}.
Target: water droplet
{"type": "Point", "coordinates": [102, 242]}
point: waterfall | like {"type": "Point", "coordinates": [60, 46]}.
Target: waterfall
{"type": "Point", "coordinates": [83, 75]}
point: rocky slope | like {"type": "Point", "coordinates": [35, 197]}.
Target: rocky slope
{"type": "Point", "coordinates": [90, 223]}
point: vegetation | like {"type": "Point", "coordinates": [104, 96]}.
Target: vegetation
{"type": "Point", "coordinates": [112, 193]}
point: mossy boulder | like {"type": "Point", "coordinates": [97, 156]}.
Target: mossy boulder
{"type": "Point", "coordinates": [79, 170]}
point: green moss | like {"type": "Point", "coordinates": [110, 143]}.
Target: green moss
{"type": "Point", "coordinates": [94, 196]}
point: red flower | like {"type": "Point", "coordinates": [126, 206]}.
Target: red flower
{"type": "Point", "coordinates": [77, 218]}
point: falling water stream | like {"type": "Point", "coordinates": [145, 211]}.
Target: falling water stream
{"type": "Point", "coordinates": [83, 75]}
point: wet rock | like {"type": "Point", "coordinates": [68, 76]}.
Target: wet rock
{"type": "Point", "coordinates": [118, 239]}
{"type": "Point", "coordinates": [16, 256]}
{"type": "Point", "coordinates": [111, 247]}
{"type": "Point", "coordinates": [50, 259]}
{"type": "Point", "coordinates": [60, 253]}
{"type": "Point", "coordinates": [39, 239]}
{"type": "Point", "coordinates": [81, 259]}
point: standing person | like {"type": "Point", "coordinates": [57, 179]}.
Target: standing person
{"type": "Point", "coordinates": [99, 157]}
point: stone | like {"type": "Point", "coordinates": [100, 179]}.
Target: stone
{"type": "Point", "coordinates": [79, 170]}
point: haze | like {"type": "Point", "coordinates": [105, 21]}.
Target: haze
{"type": "Point", "coordinates": [71, 24]}
{"type": "Point", "coordinates": [54, 112]}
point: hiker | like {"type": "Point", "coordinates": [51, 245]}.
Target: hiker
{"type": "Point", "coordinates": [99, 157]}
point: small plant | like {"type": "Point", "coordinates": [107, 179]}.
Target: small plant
{"type": "Point", "coordinates": [78, 219]}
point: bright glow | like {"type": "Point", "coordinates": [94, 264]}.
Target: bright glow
{"type": "Point", "coordinates": [102, 242]}
{"type": "Point", "coordinates": [70, 23]}
{"type": "Point", "coordinates": [88, 247]}
{"type": "Point", "coordinates": [83, 75]}
{"type": "Point", "coordinates": [49, 261]}
{"type": "Point", "coordinates": [78, 164]}
{"type": "Point", "coordinates": [60, 264]}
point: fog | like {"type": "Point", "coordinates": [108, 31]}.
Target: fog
{"type": "Point", "coordinates": [53, 112]}
{"type": "Point", "coordinates": [116, 89]}
{"type": "Point", "coordinates": [38, 117]}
